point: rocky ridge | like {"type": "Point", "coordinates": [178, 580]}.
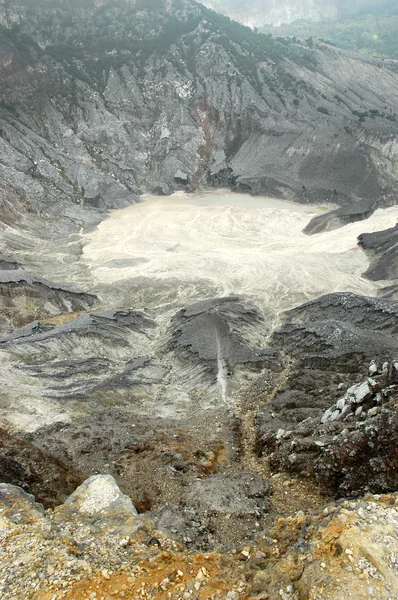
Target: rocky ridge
{"type": "Point", "coordinates": [381, 248]}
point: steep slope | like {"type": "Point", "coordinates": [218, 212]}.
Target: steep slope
{"type": "Point", "coordinates": [102, 101]}
{"type": "Point", "coordinates": [382, 249]}
{"type": "Point", "coordinates": [96, 546]}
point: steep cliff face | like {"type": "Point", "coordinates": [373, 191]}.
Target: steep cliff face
{"type": "Point", "coordinates": [102, 101]}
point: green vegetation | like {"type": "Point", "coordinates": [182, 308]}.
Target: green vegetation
{"type": "Point", "coordinates": [368, 34]}
{"type": "Point", "coordinates": [359, 114]}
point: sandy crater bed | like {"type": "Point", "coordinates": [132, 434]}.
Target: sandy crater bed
{"type": "Point", "coordinates": [230, 244]}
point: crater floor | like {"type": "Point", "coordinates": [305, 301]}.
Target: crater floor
{"type": "Point", "coordinates": [220, 243]}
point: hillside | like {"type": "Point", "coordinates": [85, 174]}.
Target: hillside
{"type": "Point", "coordinates": [366, 26]}
{"type": "Point", "coordinates": [101, 102]}
{"type": "Point", "coordinates": [276, 13]}
{"type": "Point", "coordinates": [370, 35]}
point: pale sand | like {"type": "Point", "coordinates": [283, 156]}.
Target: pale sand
{"type": "Point", "coordinates": [241, 245]}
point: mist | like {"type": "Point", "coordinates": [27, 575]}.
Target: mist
{"type": "Point", "coordinates": [273, 12]}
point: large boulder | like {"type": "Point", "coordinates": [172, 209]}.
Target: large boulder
{"type": "Point", "coordinates": [100, 495]}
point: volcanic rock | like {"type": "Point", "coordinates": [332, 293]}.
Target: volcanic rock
{"type": "Point", "coordinates": [382, 249]}
{"type": "Point", "coordinates": [86, 127]}
{"type": "Point", "coordinates": [340, 331]}
{"type": "Point", "coordinates": [25, 465]}
{"type": "Point", "coordinates": [101, 495]}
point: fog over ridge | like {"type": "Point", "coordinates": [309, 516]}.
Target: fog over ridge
{"type": "Point", "coordinates": [273, 12]}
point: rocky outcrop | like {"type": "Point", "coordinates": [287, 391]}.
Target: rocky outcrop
{"type": "Point", "coordinates": [287, 427]}
{"type": "Point", "coordinates": [366, 396]}
{"type": "Point", "coordinates": [351, 447]}
{"type": "Point", "coordinates": [328, 422]}
{"type": "Point", "coordinates": [382, 249]}
{"type": "Point", "coordinates": [362, 459]}
{"type": "Point", "coordinates": [340, 331]}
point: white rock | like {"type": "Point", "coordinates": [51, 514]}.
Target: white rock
{"type": "Point", "coordinates": [280, 433]}
{"type": "Point", "coordinates": [326, 415]}
{"type": "Point", "coordinates": [100, 494]}
{"type": "Point", "coordinates": [336, 416]}
{"type": "Point", "coordinates": [373, 411]}
{"type": "Point", "coordinates": [358, 393]}
{"type": "Point", "coordinates": [373, 369]}
{"type": "Point", "coordinates": [347, 410]}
